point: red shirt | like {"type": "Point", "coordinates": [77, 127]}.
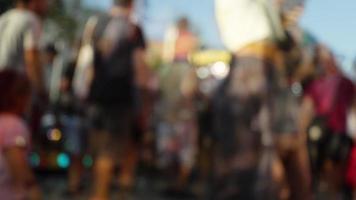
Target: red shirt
{"type": "Point", "coordinates": [332, 96]}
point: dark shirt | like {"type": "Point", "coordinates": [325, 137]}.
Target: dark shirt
{"type": "Point", "coordinates": [113, 83]}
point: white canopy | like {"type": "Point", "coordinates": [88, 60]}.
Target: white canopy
{"type": "Point", "coordinates": [242, 22]}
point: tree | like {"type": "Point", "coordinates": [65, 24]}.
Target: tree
{"type": "Point", "coordinates": [66, 24]}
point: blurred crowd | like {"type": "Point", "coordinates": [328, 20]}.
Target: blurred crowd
{"type": "Point", "coordinates": [272, 117]}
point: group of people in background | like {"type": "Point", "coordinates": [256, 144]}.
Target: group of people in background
{"type": "Point", "coordinates": [280, 125]}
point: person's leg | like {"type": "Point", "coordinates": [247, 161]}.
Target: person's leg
{"type": "Point", "coordinates": [103, 173]}
{"type": "Point", "coordinates": [124, 150]}
{"type": "Point", "coordinates": [298, 172]}
{"type": "Point", "coordinates": [187, 152]}
{"type": "Point", "coordinates": [128, 165]}
{"type": "Point", "coordinates": [73, 145]}
{"type": "Point", "coordinates": [103, 166]}
{"type": "Point", "coordinates": [75, 174]}
{"type": "Point", "coordinates": [183, 178]}
{"type": "Point", "coordinates": [186, 164]}
{"type": "Point", "coordinates": [127, 151]}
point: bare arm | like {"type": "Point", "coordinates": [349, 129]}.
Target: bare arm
{"type": "Point", "coordinates": [142, 72]}
{"type": "Point", "coordinates": [34, 69]}
{"type": "Point", "coordinates": [31, 44]}
{"type": "Point", "coordinates": [306, 116]}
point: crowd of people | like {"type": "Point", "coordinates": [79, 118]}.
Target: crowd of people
{"type": "Point", "coordinates": [279, 125]}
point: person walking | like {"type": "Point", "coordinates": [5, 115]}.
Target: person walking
{"type": "Point", "coordinates": [118, 72]}
{"type": "Point", "coordinates": [20, 33]}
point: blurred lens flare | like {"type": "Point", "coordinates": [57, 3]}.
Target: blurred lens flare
{"type": "Point", "coordinates": [203, 72]}
{"type": "Point", "coordinates": [87, 161]}
{"type": "Point", "coordinates": [48, 120]}
{"type": "Point", "coordinates": [63, 160]}
{"type": "Point", "coordinates": [35, 160]}
{"type": "Point", "coordinates": [315, 133]}
{"type": "Point", "coordinates": [54, 135]}
{"type": "Point", "coordinates": [220, 70]}
{"type": "Point", "coordinates": [297, 89]}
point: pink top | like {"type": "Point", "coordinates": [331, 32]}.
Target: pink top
{"type": "Point", "coordinates": [13, 133]}
{"type": "Point", "coordinates": [332, 97]}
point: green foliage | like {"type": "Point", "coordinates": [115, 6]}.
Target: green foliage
{"type": "Point", "coordinates": [64, 21]}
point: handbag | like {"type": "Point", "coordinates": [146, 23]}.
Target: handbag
{"type": "Point", "coordinates": [84, 72]}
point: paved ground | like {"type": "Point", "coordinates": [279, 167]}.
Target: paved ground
{"type": "Point", "coordinates": [54, 187]}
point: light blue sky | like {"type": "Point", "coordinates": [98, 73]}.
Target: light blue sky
{"type": "Point", "coordinates": [162, 13]}
{"type": "Point", "coordinates": [331, 21]}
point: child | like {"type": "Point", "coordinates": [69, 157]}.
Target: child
{"type": "Point", "coordinates": [17, 180]}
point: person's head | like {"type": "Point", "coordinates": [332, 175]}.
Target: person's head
{"type": "Point", "coordinates": [325, 61]}
{"type": "Point", "coordinates": [183, 23]}
{"type": "Point", "coordinates": [124, 3]}
{"type": "Point", "coordinates": [40, 7]}
{"type": "Point", "coordinates": [15, 91]}
{"type": "Point", "coordinates": [291, 11]}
